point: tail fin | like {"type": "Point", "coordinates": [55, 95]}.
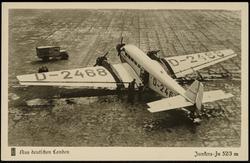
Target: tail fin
{"type": "Point", "coordinates": [195, 93]}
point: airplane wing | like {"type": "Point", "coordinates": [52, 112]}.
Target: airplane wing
{"type": "Point", "coordinates": [179, 101]}
{"type": "Point", "coordinates": [186, 64]}
{"type": "Point", "coordinates": [90, 77]}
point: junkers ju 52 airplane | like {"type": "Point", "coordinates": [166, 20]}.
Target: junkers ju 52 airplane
{"type": "Point", "coordinates": [149, 70]}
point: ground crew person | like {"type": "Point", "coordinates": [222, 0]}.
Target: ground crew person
{"type": "Point", "coordinates": [140, 91]}
{"type": "Point", "coordinates": [131, 92]}
{"type": "Point", "coordinates": [119, 90]}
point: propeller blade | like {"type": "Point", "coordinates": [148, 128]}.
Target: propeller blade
{"type": "Point", "coordinates": [98, 52]}
{"type": "Point", "coordinates": [106, 54]}
{"type": "Point", "coordinates": [121, 40]}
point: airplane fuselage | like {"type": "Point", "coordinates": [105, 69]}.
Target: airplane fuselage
{"type": "Point", "coordinates": [159, 80]}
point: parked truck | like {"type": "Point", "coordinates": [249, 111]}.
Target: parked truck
{"type": "Point", "coordinates": [51, 52]}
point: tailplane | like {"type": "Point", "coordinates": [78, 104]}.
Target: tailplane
{"type": "Point", "coordinates": [195, 94]}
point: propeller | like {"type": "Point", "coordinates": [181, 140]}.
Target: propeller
{"type": "Point", "coordinates": [100, 59]}
{"type": "Point", "coordinates": [119, 46]}
{"type": "Point", "coordinates": [121, 40]}
{"type": "Point", "coordinates": [106, 54]}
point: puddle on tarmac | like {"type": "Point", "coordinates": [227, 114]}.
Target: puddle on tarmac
{"type": "Point", "coordinates": [63, 101]}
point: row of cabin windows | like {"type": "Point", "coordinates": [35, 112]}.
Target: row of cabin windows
{"type": "Point", "coordinates": [132, 60]}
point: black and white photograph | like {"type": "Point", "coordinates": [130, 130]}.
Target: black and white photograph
{"type": "Point", "coordinates": [116, 76]}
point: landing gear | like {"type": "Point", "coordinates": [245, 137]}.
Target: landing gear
{"type": "Point", "coordinates": [194, 117]}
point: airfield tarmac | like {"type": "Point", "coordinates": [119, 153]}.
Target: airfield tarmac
{"type": "Point", "coordinates": [109, 120]}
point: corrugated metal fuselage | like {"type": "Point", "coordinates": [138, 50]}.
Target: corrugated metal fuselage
{"type": "Point", "coordinates": [159, 80]}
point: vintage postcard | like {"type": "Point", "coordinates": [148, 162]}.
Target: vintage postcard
{"type": "Point", "coordinates": [124, 81]}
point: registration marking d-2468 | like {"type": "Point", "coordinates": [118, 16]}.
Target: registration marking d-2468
{"type": "Point", "coordinates": [78, 73]}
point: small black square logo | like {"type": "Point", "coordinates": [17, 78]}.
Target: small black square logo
{"type": "Point", "coordinates": [13, 151]}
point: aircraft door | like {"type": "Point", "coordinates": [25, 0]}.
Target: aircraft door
{"type": "Point", "coordinates": [144, 75]}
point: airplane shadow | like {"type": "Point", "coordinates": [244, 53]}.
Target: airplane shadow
{"type": "Point", "coordinates": [160, 121]}
{"type": "Point", "coordinates": [171, 120]}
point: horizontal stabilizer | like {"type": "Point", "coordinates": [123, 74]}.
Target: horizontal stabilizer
{"type": "Point", "coordinates": [168, 104]}
{"type": "Point", "coordinates": [179, 101]}
{"type": "Point", "coordinates": [215, 95]}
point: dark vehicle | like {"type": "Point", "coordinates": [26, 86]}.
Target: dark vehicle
{"type": "Point", "coordinates": [47, 52]}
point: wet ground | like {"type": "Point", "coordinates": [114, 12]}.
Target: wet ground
{"type": "Point", "coordinates": [108, 120]}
